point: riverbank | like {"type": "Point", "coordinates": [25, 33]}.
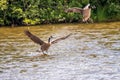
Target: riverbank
{"type": "Point", "coordinates": [108, 22]}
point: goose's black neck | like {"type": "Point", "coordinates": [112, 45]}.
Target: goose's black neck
{"type": "Point", "coordinates": [49, 40]}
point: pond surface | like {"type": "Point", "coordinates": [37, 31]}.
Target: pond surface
{"type": "Point", "coordinates": [92, 52]}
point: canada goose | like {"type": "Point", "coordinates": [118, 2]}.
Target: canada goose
{"type": "Point", "coordinates": [44, 46]}
{"type": "Point", "coordinates": [86, 12]}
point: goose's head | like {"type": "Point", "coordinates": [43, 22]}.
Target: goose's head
{"type": "Point", "coordinates": [92, 7]}
{"type": "Point", "coordinates": [49, 39]}
{"type": "Point", "coordinates": [88, 6]}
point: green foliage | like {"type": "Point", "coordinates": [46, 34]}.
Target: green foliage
{"type": "Point", "coordinates": [3, 4]}
{"type": "Point", "coordinates": [31, 21]}
{"type": "Point", "coordinates": [85, 1]}
{"type": "Point", "coordinates": [114, 11]}
{"type": "Point", "coordinates": [106, 10]}
{"type": "Point", "coordinates": [101, 14]}
{"type": "Point", "coordinates": [3, 7]}
{"type": "Point", "coordinates": [1, 21]}
{"type": "Point", "coordinates": [32, 12]}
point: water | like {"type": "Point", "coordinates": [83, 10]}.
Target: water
{"type": "Point", "coordinates": [92, 52]}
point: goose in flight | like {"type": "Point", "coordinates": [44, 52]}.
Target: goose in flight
{"type": "Point", "coordinates": [44, 46]}
{"type": "Point", "coordinates": [86, 12]}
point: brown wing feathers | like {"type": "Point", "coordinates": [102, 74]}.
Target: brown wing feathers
{"type": "Point", "coordinates": [33, 37]}
{"type": "Point", "coordinates": [62, 38]}
{"type": "Point", "coordinates": [74, 9]}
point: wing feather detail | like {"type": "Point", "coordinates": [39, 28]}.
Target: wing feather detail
{"type": "Point", "coordinates": [62, 38]}
{"type": "Point", "coordinates": [33, 37]}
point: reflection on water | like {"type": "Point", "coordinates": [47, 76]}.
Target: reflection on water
{"type": "Point", "coordinates": [91, 53]}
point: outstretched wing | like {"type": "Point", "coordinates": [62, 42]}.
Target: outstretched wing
{"type": "Point", "coordinates": [62, 38]}
{"type": "Point", "coordinates": [74, 9]}
{"type": "Point", "coordinates": [33, 37]}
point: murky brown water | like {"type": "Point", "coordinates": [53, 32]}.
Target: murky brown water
{"type": "Point", "coordinates": [91, 53]}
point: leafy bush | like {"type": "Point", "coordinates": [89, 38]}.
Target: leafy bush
{"type": "Point", "coordinates": [32, 12]}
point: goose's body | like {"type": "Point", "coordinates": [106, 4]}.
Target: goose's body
{"type": "Point", "coordinates": [86, 14]}
{"type": "Point", "coordinates": [44, 46]}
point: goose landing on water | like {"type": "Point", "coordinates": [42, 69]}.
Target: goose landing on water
{"type": "Point", "coordinates": [44, 46]}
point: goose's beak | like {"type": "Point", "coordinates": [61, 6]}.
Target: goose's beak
{"type": "Point", "coordinates": [51, 37]}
